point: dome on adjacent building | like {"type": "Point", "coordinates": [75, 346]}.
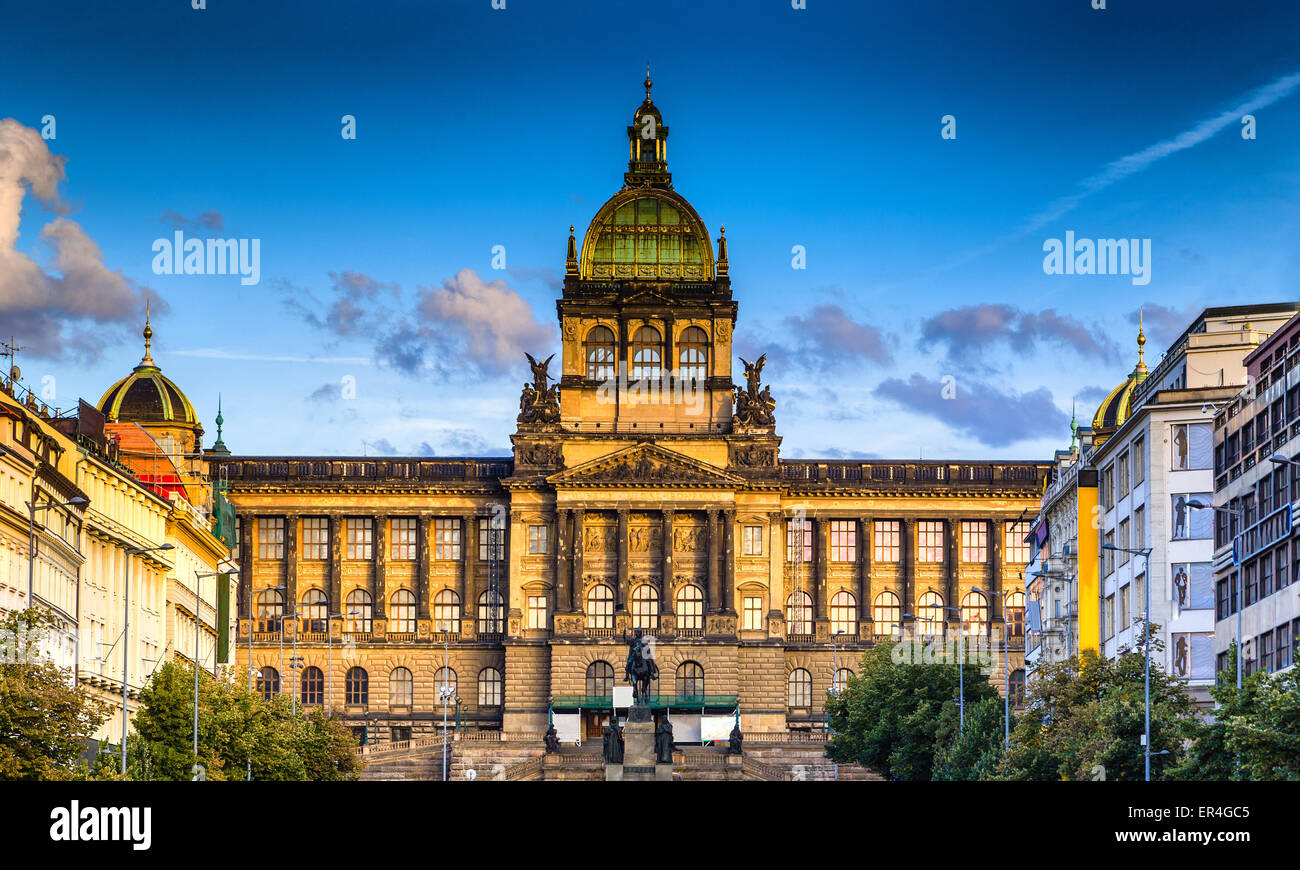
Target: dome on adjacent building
{"type": "Point", "coordinates": [146, 395]}
{"type": "Point", "coordinates": [1117, 407]}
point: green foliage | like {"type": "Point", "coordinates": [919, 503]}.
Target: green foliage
{"type": "Point", "coordinates": [888, 716]}
{"type": "Point", "coordinates": [238, 729]}
{"type": "Point", "coordinates": [976, 753]}
{"type": "Point", "coordinates": [45, 719]}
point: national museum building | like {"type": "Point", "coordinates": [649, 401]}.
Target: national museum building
{"type": "Point", "coordinates": [645, 491]}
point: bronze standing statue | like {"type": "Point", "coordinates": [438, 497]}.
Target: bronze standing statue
{"type": "Point", "coordinates": [664, 742]}
{"type": "Point", "coordinates": [613, 742]}
{"type": "Point", "coordinates": [640, 668]}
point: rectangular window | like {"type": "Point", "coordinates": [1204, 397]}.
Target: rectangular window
{"type": "Point", "coordinates": [753, 540]}
{"type": "Point", "coordinates": [270, 537]}
{"type": "Point", "coordinates": [1016, 547]}
{"type": "Point", "coordinates": [1108, 556]}
{"type": "Point", "coordinates": [974, 541]}
{"type": "Point", "coordinates": [1191, 446]}
{"type": "Point", "coordinates": [796, 529]}
{"type": "Point", "coordinates": [538, 544]}
{"type": "Point", "coordinates": [315, 538]}
{"type": "Point", "coordinates": [360, 533]}
{"type": "Point", "coordinates": [1139, 529]}
{"type": "Point", "coordinates": [929, 541]}
{"type": "Point", "coordinates": [1139, 461]}
{"type": "Point", "coordinates": [403, 539]}
{"type": "Point", "coordinates": [491, 536]}
{"type": "Point", "coordinates": [1124, 544]}
{"type": "Point", "coordinates": [1109, 616]}
{"type": "Point", "coordinates": [753, 613]}
{"type": "Point", "coordinates": [844, 541]}
{"type": "Point", "coordinates": [1122, 475]}
{"type": "Point", "coordinates": [887, 537]}
{"type": "Point", "coordinates": [537, 611]}
{"type": "Point", "coordinates": [1108, 487]}
{"type": "Point", "coordinates": [1123, 606]}
{"type": "Point", "coordinates": [446, 539]}
{"type": "Point", "coordinates": [1191, 523]}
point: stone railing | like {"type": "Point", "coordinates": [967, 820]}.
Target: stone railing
{"type": "Point", "coordinates": [765, 772]}
{"type": "Point", "coordinates": [399, 747]}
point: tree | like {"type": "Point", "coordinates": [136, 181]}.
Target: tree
{"type": "Point", "coordinates": [887, 718]}
{"type": "Point", "coordinates": [976, 753]}
{"type": "Point", "coordinates": [45, 719]}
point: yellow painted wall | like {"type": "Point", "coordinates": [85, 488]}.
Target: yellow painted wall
{"type": "Point", "coordinates": [1089, 588]}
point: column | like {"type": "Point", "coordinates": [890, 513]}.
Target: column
{"type": "Point", "coordinates": [952, 540]}
{"type": "Point", "coordinates": [728, 561]}
{"type": "Point", "coordinates": [465, 584]}
{"type": "Point", "coordinates": [423, 566]}
{"type": "Point", "coordinates": [715, 580]}
{"type": "Point", "coordinates": [666, 603]}
{"type": "Point", "coordinates": [864, 571]}
{"type": "Point", "coordinates": [579, 519]}
{"type": "Point", "coordinates": [821, 585]}
{"type": "Point", "coordinates": [670, 361]}
{"type": "Point", "coordinates": [776, 552]}
{"type": "Point", "coordinates": [336, 524]}
{"type": "Point", "coordinates": [563, 575]}
{"type": "Point", "coordinates": [291, 562]}
{"type": "Point", "coordinates": [907, 566]}
{"type": "Point", "coordinates": [246, 526]}
{"type": "Point", "coordinates": [378, 593]}
{"type": "Point", "coordinates": [623, 592]}
{"type": "Point", "coordinates": [995, 571]}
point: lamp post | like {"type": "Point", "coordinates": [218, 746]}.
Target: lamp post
{"type": "Point", "coordinates": [1232, 512]}
{"type": "Point", "coordinates": [1006, 668]}
{"type": "Point", "coordinates": [1145, 553]}
{"type": "Point", "coordinates": [126, 627]}
{"type": "Point", "coordinates": [198, 601]}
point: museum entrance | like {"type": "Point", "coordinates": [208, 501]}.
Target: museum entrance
{"type": "Point", "coordinates": [593, 724]}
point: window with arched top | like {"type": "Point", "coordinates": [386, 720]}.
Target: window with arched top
{"type": "Point", "coordinates": [841, 680]}
{"type": "Point", "coordinates": [974, 613]}
{"type": "Point", "coordinates": [490, 683]}
{"type": "Point", "coordinates": [270, 610]}
{"type": "Point", "coordinates": [312, 612]}
{"type": "Point", "coordinates": [887, 613]}
{"type": "Point", "coordinates": [446, 611]}
{"type": "Point", "coordinates": [800, 688]}
{"type": "Point", "coordinates": [690, 607]}
{"type": "Point", "coordinates": [401, 612]}
{"type": "Point", "coordinates": [844, 614]}
{"type": "Point", "coordinates": [798, 613]}
{"type": "Point", "coordinates": [647, 354]}
{"type": "Point", "coordinates": [600, 607]}
{"type": "Point", "coordinates": [929, 614]}
{"type": "Point", "coordinates": [444, 681]}
{"type": "Point", "coordinates": [356, 687]}
{"type": "Point", "coordinates": [645, 606]}
{"type": "Point", "coordinates": [268, 682]}
{"type": "Point", "coordinates": [600, 680]}
{"type": "Point", "coordinates": [1015, 614]}
{"type": "Point", "coordinates": [491, 613]}
{"type": "Point", "coordinates": [401, 688]}
{"type": "Point", "coordinates": [598, 349]}
{"type": "Point", "coordinates": [693, 355]}
{"type": "Point", "coordinates": [1016, 687]}
{"type": "Point", "coordinates": [690, 680]}
{"type": "Point", "coordinates": [312, 686]}
{"type": "Point", "coordinates": [357, 612]}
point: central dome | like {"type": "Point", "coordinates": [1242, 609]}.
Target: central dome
{"type": "Point", "coordinates": [647, 232]}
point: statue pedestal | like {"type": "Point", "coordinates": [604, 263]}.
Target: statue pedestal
{"type": "Point", "coordinates": [639, 751]}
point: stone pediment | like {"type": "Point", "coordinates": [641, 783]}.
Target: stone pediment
{"type": "Point", "coordinates": [645, 465]}
{"type": "Point", "coordinates": [652, 294]}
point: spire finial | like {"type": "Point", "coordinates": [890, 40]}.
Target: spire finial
{"type": "Point", "coordinates": [1074, 426]}
{"type": "Point", "coordinates": [147, 359]}
{"type": "Point", "coordinates": [1141, 340]}
{"type": "Point", "coordinates": [219, 446]}
{"type": "Point", "coordinates": [571, 256]}
{"type": "Point", "coordinates": [648, 83]}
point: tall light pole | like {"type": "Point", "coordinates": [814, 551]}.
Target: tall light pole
{"type": "Point", "coordinates": [1006, 669]}
{"type": "Point", "coordinates": [126, 627]}
{"type": "Point", "coordinates": [1232, 512]}
{"type": "Point", "coordinates": [1145, 553]}
{"type": "Point", "coordinates": [835, 676]}
{"type": "Point", "coordinates": [198, 602]}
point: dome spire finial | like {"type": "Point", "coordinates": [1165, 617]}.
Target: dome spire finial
{"type": "Point", "coordinates": [147, 360]}
{"type": "Point", "coordinates": [648, 83]}
{"type": "Point", "coordinates": [1141, 341]}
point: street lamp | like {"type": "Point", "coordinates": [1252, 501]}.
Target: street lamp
{"type": "Point", "coordinates": [1233, 512]}
{"type": "Point", "coordinates": [1146, 651]}
{"type": "Point", "coordinates": [126, 628]}
{"type": "Point", "coordinates": [198, 601]}
{"type": "Point", "coordinates": [1006, 667]}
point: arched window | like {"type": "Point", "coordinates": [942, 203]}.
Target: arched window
{"type": "Point", "coordinates": [974, 613]}
{"type": "Point", "coordinates": [798, 613]}
{"type": "Point", "coordinates": [599, 352]}
{"type": "Point", "coordinates": [693, 355]}
{"type": "Point", "coordinates": [600, 680]}
{"type": "Point", "coordinates": [445, 682]}
{"type": "Point", "coordinates": [645, 606]}
{"type": "Point", "coordinates": [491, 613]}
{"type": "Point", "coordinates": [1015, 614]}
{"type": "Point", "coordinates": [446, 611]}
{"type": "Point", "coordinates": [800, 685]}
{"type": "Point", "coordinates": [647, 354]}
{"type": "Point", "coordinates": [844, 614]}
{"type": "Point", "coordinates": [268, 682]}
{"type": "Point", "coordinates": [887, 614]}
{"type": "Point", "coordinates": [1017, 687]}
{"type": "Point", "coordinates": [489, 687]}
{"type": "Point", "coordinates": [690, 607]}
{"type": "Point", "coordinates": [600, 607]}
{"type": "Point", "coordinates": [313, 686]}
{"type": "Point", "coordinates": [358, 612]}
{"type": "Point", "coordinates": [401, 688]}
{"type": "Point", "coordinates": [312, 613]}
{"type": "Point", "coordinates": [690, 680]}
{"type": "Point", "coordinates": [841, 680]}
{"type": "Point", "coordinates": [356, 687]}
{"type": "Point", "coordinates": [270, 610]}
{"type": "Point", "coordinates": [929, 614]}
{"type": "Point", "coordinates": [401, 612]}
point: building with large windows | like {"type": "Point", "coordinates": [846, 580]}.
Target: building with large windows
{"type": "Point", "coordinates": [645, 491]}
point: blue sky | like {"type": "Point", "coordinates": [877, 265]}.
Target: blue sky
{"type": "Point", "coordinates": [479, 127]}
